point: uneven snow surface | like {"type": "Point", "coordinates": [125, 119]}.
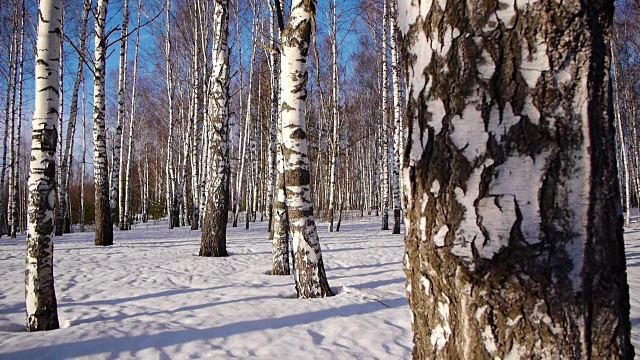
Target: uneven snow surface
{"type": "Point", "coordinates": [150, 297]}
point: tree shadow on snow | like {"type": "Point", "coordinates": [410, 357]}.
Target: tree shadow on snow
{"type": "Point", "coordinates": [139, 297]}
{"type": "Point", "coordinates": [378, 283]}
{"type": "Point", "coordinates": [130, 345]}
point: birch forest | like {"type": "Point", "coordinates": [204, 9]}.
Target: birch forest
{"type": "Point", "coordinates": [497, 143]}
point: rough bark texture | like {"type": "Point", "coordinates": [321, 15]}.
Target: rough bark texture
{"type": "Point", "coordinates": [42, 313]}
{"type": "Point", "coordinates": [214, 226]}
{"type": "Point", "coordinates": [514, 245]}
{"type": "Point", "coordinates": [103, 220]}
{"type": "Point", "coordinates": [311, 280]}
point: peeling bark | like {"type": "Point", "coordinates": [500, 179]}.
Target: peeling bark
{"type": "Point", "coordinates": [514, 241]}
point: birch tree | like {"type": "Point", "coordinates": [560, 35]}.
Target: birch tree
{"type": "Point", "coordinates": [125, 223]}
{"type": "Point", "coordinates": [103, 219]}
{"type": "Point", "coordinates": [310, 277]}
{"type": "Point", "coordinates": [116, 199]}
{"type": "Point", "coordinates": [214, 227]}
{"type": "Point", "coordinates": [397, 116]}
{"type": "Point", "coordinates": [71, 126]}
{"type": "Point", "coordinates": [384, 140]}
{"type": "Point", "coordinates": [42, 313]}
{"type": "Point", "coordinates": [514, 246]}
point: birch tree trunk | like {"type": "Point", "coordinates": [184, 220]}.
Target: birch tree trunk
{"type": "Point", "coordinates": [514, 246]}
{"type": "Point", "coordinates": [397, 118]}
{"type": "Point", "coordinates": [384, 140]}
{"type": "Point", "coordinates": [118, 140]}
{"type": "Point", "coordinates": [103, 219]}
{"type": "Point", "coordinates": [311, 280]}
{"type": "Point", "coordinates": [11, 124]}
{"type": "Point", "coordinates": [214, 226]}
{"type": "Point", "coordinates": [172, 212]}
{"type": "Point", "coordinates": [274, 60]}
{"type": "Point", "coordinates": [71, 126]}
{"type": "Point", "coordinates": [335, 138]}
{"type": "Point", "coordinates": [14, 200]}
{"type": "Point", "coordinates": [83, 172]}
{"type": "Point", "coordinates": [42, 313]}
{"type": "Point", "coordinates": [126, 220]}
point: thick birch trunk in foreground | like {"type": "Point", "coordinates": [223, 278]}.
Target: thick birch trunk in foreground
{"type": "Point", "coordinates": [514, 241]}
{"type": "Point", "coordinates": [214, 226]}
{"type": "Point", "coordinates": [103, 220]}
{"type": "Point", "coordinates": [42, 312]}
{"type": "Point", "coordinates": [311, 280]}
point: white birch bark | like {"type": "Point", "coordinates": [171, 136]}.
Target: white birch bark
{"type": "Point", "coordinates": [12, 125]}
{"type": "Point", "coordinates": [170, 180]}
{"type": "Point", "coordinates": [384, 139]}
{"type": "Point", "coordinates": [274, 61]}
{"type": "Point", "coordinates": [116, 198]}
{"type": "Point", "coordinates": [126, 220]}
{"type": "Point", "coordinates": [40, 294]}
{"type": "Point", "coordinates": [311, 281]}
{"type": "Point", "coordinates": [335, 137]}
{"type": "Point", "coordinates": [397, 118]}
{"type": "Point", "coordinates": [15, 212]}
{"type": "Point", "coordinates": [103, 219]}
{"type": "Point", "coordinates": [214, 226]}
{"type": "Point", "coordinates": [83, 170]}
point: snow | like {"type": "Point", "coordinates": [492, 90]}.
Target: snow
{"type": "Point", "coordinates": [150, 296]}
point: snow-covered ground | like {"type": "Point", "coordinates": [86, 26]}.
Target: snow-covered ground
{"type": "Point", "coordinates": [150, 297]}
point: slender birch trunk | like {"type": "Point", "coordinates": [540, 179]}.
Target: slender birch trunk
{"type": "Point", "coordinates": [214, 227]}
{"type": "Point", "coordinates": [384, 140]}
{"type": "Point", "coordinates": [274, 60]}
{"type": "Point", "coordinates": [242, 186]}
{"type": "Point", "coordinates": [116, 197]}
{"type": "Point", "coordinates": [335, 138]}
{"type": "Point", "coordinates": [514, 244]}
{"type": "Point", "coordinates": [40, 293]}
{"type": "Point", "coordinates": [15, 224]}
{"type": "Point", "coordinates": [397, 118]}
{"type": "Point", "coordinates": [170, 180]}
{"type": "Point", "coordinates": [623, 146]}
{"type": "Point", "coordinates": [83, 172]}
{"type": "Point", "coordinates": [65, 165]}
{"type": "Point", "coordinates": [126, 220]}
{"type": "Point", "coordinates": [103, 219]}
{"type": "Point", "coordinates": [12, 126]}
{"type": "Point", "coordinates": [195, 128]}
{"type": "Point", "coordinates": [311, 280]}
